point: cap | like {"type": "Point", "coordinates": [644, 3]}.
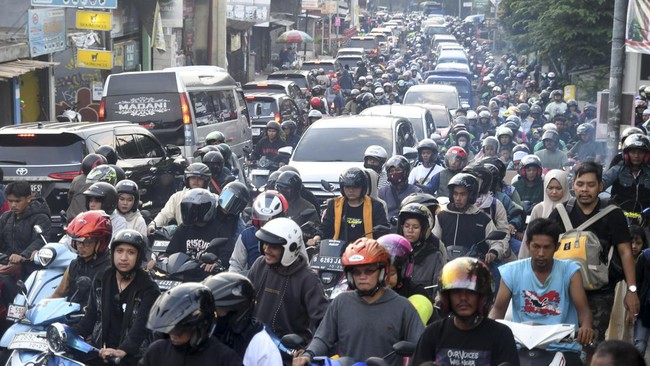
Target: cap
{"type": "Point", "coordinates": [336, 87]}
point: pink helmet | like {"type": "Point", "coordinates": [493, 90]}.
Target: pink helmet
{"type": "Point", "coordinates": [399, 249]}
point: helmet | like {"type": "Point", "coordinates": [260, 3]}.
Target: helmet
{"type": "Point", "coordinates": [496, 89]}
{"type": "Point", "coordinates": [289, 184]}
{"type": "Point", "coordinates": [524, 109]}
{"type": "Point", "coordinates": [214, 161]}
{"type": "Point", "coordinates": [273, 177]}
{"type": "Point", "coordinates": [379, 91]}
{"type": "Point", "coordinates": [484, 114]}
{"type": "Point", "coordinates": [274, 126]}
{"type": "Point", "coordinates": [468, 181]}
{"type": "Point", "coordinates": [285, 232]}
{"type": "Point", "coordinates": [466, 273]}
{"type": "Point", "coordinates": [290, 125]}
{"type": "Point", "coordinates": [504, 130]}
{"type": "Point", "coordinates": [314, 113]}
{"type": "Point", "coordinates": [186, 305]}
{"type": "Point", "coordinates": [234, 198]}
{"type": "Point", "coordinates": [472, 115]}
{"type": "Point", "coordinates": [572, 102]}
{"type": "Point", "coordinates": [109, 153]}
{"type": "Point", "coordinates": [366, 251]}
{"type": "Point", "coordinates": [133, 238]}
{"type": "Point", "coordinates": [556, 92]}
{"type": "Point", "coordinates": [529, 160]}
{"type": "Point", "coordinates": [483, 174]}
{"type": "Point", "coordinates": [215, 137]}
{"type": "Point", "coordinates": [514, 119]}
{"type": "Point", "coordinates": [91, 225]}
{"type": "Point", "coordinates": [316, 103]}
{"type": "Point", "coordinates": [456, 152]}
{"type": "Point", "coordinates": [398, 161]}
{"type": "Point", "coordinates": [521, 147]}
{"type": "Point", "coordinates": [493, 160]}
{"type": "Point", "coordinates": [197, 170]}
{"type": "Point", "coordinates": [423, 198]}
{"type": "Point", "coordinates": [102, 173]}
{"type": "Point", "coordinates": [461, 120]}
{"type": "Point", "coordinates": [490, 141]}
{"type": "Point", "coordinates": [590, 107]}
{"type": "Point", "coordinates": [316, 91]}
{"type": "Point", "coordinates": [269, 205]}
{"type": "Point", "coordinates": [636, 141]}
{"type": "Point", "coordinates": [129, 187]}
{"type": "Point", "coordinates": [198, 205]}
{"type": "Point", "coordinates": [535, 109]}
{"type": "Point", "coordinates": [225, 151]}
{"type": "Point", "coordinates": [585, 128]}
{"type": "Point", "coordinates": [377, 152]}
{"type": "Point", "coordinates": [354, 177]}
{"type": "Point", "coordinates": [399, 249]}
{"type": "Point", "coordinates": [551, 75]}
{"type": "Point", "coordinates": [551, 135]}
{"type": "Point", "coordinates": [427, 144]}
{"type": "Point", "coordinates": [549, 126]}
{"type": "Point", "coordinates": [200, 153]}
{"type": "Point", "coordinates": [104, 192]}
{"type": "Point", "coordinates": [422, 214]}
{"type": "Point", "coordinates": [234, 294]}
{"type": "Point", "coordinates": [92, 161]}
{"type": "Point", "coordinates": [630, 131]}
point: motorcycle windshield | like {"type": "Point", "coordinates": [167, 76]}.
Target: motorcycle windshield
{"type": "Point", "coordinates": [331, 248]}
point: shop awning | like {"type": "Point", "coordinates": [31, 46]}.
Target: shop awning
{"type": "Point", "coordinates": [9, 70]}
{"type": "Point", "coordinates": [276, 22]}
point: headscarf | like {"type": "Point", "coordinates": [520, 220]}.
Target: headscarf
{"type": "Point", "coordinates": [561, 176]}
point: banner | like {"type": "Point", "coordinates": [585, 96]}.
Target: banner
{"type": "Point", "coordinates": [637, 32]}
{"type": "Point", "coordinates": [46, 31]}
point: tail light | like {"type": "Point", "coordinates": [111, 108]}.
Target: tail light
{"type": "Point", "coordinates": [185, 110]}
{"type": "Point", "coordinates": [102, 110]}
{"type": "Point", "coordinates": [65, 175]}
{"type": "Point", "coordinates": [278, 118]}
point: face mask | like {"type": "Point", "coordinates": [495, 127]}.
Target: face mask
{"type": "Point", "coordinates": [396, 178]}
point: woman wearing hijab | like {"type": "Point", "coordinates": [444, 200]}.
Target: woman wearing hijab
{"type": "Point", "coordinates": [556, 190]}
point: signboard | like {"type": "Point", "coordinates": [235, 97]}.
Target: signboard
{"type": "Point", "coordinates": [331, 7]}
{"type": "Point", "coordinates": [46, 31]}
{"type": "Point", "coordinates": [97, 20]}
{"type": "Point", "coordinates": [95, 59]}
{"type": "Point", "coordinates": [131, 55]}
{"type": "Point", "coordinates": [569, 92]}
{"type": "Point", "coordinates": [171, 13]}
{"type": "Point", "coordinates": [254, 11]}
{"type": "Point", "coordinates": [337, 21]}
{"type": "Point", "coordinates": [88, 4]}
{"type": "Point", "coordinates": [312, 4]}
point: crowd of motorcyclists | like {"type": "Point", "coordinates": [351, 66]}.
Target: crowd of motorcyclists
{"type": "Point", "coordinates": [473, 222]}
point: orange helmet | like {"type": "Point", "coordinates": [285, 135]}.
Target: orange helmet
{"type": "Point", "coordinates": [91, 225]}
{"type": "Point", "coordinates": [366, 251]}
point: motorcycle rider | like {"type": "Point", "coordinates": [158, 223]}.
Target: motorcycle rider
{"type": "Point", "coordinates": [76, 198]}
{"type": "Point", "coordinates": [354, 214]}
{"type": "Point", "coordinates": [557, 106]}
{"type": "Point", "coordinates": [455, 161]}
{"type": "Point", "coordinates": [268, 145]}
{"type": "Point", "coordinates": [401, 266]}
{"type": "Point", "coordinates": [290, 129]}
{"type": "Point", "coordinates": [300, 210]}
{"type": "Point", "coordinates": [530, 183]}
{"type": "Point", "coordinates": [397, 169]}
{"type": "Point", "coordinates": [467, 336]}
{"type": "Point", "coordinates": [630, 178]}
{"type": "Point", "coordinates": [103, 196]}
{"type": "Point", "coordinates": [551, 156]}
{"type": "Point", "coordinates": [218, 177]}
{"type": "Point", "coordinates": [356, 321]}
{"type": "Point", "coordinates": [427, 163]}
{"type": "Point", "coordinates": [267, 206]}
{"type": "Point", "coordinates": [90, 233]}
{"type": "Point", "coordinates": [215, 138]}
{"type": "Point", "coordinates": [234, 299]}
{"type": "Point", "coordinates": [290, 296]}
{"type": "Point", "coordinates": [586, 148]}
{"type": "Point", "coordinates": [185, 315]}
{"type": "Point", "coordinates": [128, 196]}
{"type": "Point", "coordinates": [119, 303]}
{"type": "Point", "coordinates": [374, 158]}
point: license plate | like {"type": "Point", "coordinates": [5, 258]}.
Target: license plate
{"type": "Point", "coordinates": [31, 341]}
{"type": "Point", "coordinates": [160, 245]}
{"type": "Point", "coordinates": [260, 172]}
{"type": "Point", "coordinates": [256, 131]}
{"type": "Point", "coordinates": [327, 263]}
{"type": "Point", "coordinates": [16, 312]}
{"type": "Point", "coordinates": [36, 188]}
{"type": "Point", "coordinates": [165, 285]}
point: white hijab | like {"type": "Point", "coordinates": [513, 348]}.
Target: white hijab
{"type": "Point", "coordinates": [561, 176]}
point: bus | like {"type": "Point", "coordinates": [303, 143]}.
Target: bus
{"type": "Point", "coordinates": [431, 7]}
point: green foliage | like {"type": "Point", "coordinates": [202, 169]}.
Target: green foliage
{"type": "Point", "coordinates": [568, 33]}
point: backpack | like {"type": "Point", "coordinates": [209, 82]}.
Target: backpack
{"type": "Point", "coordinates": [585, 249]}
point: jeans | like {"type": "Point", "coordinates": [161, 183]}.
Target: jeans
{"type": "Point", "coordinates": [641, 335]}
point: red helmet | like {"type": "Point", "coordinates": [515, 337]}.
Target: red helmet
{"type": "Point", "coordinates": [366, 251]}
{"type": "Point", "coordinates": [91, 225]}
{"type": "Point", "coordinates": [269, 205]}
{"type": "Point", "coordinates": [316, 103]}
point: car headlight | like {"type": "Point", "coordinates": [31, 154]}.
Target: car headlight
{"type": "Point", "coordinates": [46, 256]}
{"type": "Point", "coordinates": [56, 337]}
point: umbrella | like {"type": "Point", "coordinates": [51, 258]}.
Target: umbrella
{"type": "Point", "coordinates": [294, 36]}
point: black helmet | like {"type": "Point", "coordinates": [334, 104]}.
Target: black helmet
{"type": "Point", "coordinates": [226, 152]}
{"type": "Point", "coordinates": [636, 141]}
{"type": "Point", "coordinates": [468, 181]}
{"type": "Point", "coordinates": [551, 135]}
{"type": "Point", "coordinates": [289, 181]}
{"type": "Point", "coordinates": [273, 177]}
{"type": "Point", "coordinates": [130, 187]}
{"type": "Point", "coordinates": [398, 161]}
{"type": "Point", "coordinates": [273, 125]}
{"type": "Point", "coordinates": [521, 147]}
{"type": "Point", "coordinates": [200, 153]}
{"type": "Point", "coordinates": [291, 126]}
{"type": "Point", "coordinates": [354, 177]}
{"type": "Point", "coordinates": [234, 198]}
{"type": "Point", "coordinates": [501, 166]}
{"type": "Point", "coordinates": [91, 161]}
{"type": "Point", "coordinates": [197, 170]}
{"type": "Point", "coordinates": [198, 205]}
{"type": "Point", "coordinates": [102, 173]}
{"type": "Point", "coordinates": [215, 137]}
{"type": "Point", "coordinates": [427, 144]}
{"type": "Point", "coordinates": [524, 109]}
{"type": "Point", "coordinates": [424, 198]}
{"type": "Point", "coordinates": [214, 161]}
{"type": "Point", "coordinates": [483, 174]}
{"type": "Point", "coordinates": [108, 152]}
{"type": "Point", "coordinates": [186, 305]}
{"type": "Point", "coordinates": [235, 294]}
{"type": "Point", "coordinates": [133, 238]}
{"type": "Point", "coordinates": [105, 192]}
{"type": "Point", "coordinates": [535, 109]}
{"type": "Point", "coordinates": [419, 212]}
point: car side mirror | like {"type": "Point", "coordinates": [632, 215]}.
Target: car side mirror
{"type": "Point", "coordinates": [411, 154]}
{"type": "Point", "coordinates": [173, 150]}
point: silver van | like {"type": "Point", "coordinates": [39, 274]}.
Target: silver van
{"type": "Point", "coordinates": [180, 105]}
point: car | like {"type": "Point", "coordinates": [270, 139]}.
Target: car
{"type": "Point", "coordinates": [48, 155]}
{"type": "Point", "coordinates": [350, 60]}
{"type": "Point", "coordinates": [329, 66]}
{"type": "Point", "coordinates": [442, 38]}
{"type": "Point", "coordinates": [304, 78]}
{"type": "Point", "coordinates": [350, 51]}
{"type": "Point", "coordinates": [441, 117]}
{"type": "Point", "coordinates": [460, 81]}
{"type": "Point", "coordinates": [420, 117]}
{"type": "Point", "coordinates": [368, 43]}
{"type": "Point", "coordinates": [446, 95]}
{"type": "Point", "coordinates": [289, 87]}
{"type": "Point", "coordinates": [347, 138]}
{"type": "Point", "coordinates": [272, 106]}
{"type": "Point", "coordinates": [452, 57]}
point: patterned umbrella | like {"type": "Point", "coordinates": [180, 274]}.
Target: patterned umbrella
{"type": "Point", "coordinates": [294, 36]}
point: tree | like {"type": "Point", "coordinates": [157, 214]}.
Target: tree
{"type": "Point", "coordinates": [570, 34]}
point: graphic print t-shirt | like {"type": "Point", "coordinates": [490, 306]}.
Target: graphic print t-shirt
{"type": "Point", "coordinates": [542, 303]}
{"type": "Point", "coordinates": [354, 222]}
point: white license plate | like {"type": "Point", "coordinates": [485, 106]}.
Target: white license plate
{"type": "Point", "coordinates": [16, 312]}
{"type": "Point", "coordinates": [260, 172]}
{"type": "Point", "coordinates": [31, 341]}
{"type": "Point", "coordinates": [165, 285]}
{"type": "Point", "coordinates": [256, 131]}
{"type": "Point", "coordinates": [36, 188]}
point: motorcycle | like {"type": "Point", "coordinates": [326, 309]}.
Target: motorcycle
{"type": "Point", "coordinates": [551, 345]}
{"type": "Point", "coordinates": [258, 173]}
{"type": "Point", "coordinates": [26, 336]}
{"type": "Point", "coordinates": [69, 115]}
{"type": "Point", "coordinates": [327, 264]}
{"type": "Point", "coordinates": [478, 250]}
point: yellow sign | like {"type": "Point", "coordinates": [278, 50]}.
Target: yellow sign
{"type": "Point", "coordinates": [95, 59]}
{"type": "Point", "coordinates": [97, 20]}
{"type": "Point", "coordinates": [569, 92]}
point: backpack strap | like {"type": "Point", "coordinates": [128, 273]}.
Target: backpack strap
{"type": "Point", "coordinates": [602, 213]}
{"type": "Point", "coordinates": [564, 215]}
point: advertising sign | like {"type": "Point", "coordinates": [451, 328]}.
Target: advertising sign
{"type": "Point", "coordinates": [171, 13]}
{"type": "Point", "coordinates": [97, 20]}
{"type": "Point", "coordinates": [95, 59]}
{"type": "Point", "coordinates": [88, 4]}
{"type": "Point", "coordinates": [46, 31]}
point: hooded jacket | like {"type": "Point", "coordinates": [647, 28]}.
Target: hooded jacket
{"type": "Point", "coordinates": [135, 221]}
{"type": "Point", "coordinates": [17, 234]}
{"type": "Point", "coordinates": [289, 299]}
{"type": "Point", "coordinates": [428, 260]}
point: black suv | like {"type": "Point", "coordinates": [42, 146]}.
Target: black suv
{"type": "Point", "coordinates": [49, 155]}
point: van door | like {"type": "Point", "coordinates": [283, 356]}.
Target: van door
{"type": "Point", "coordinates": [430, 126]}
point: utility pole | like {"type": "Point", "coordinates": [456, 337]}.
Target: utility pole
{"type": "Point", "coordinates": [616, 77]}
{"type": "Point", "coordinates": [218, 29]}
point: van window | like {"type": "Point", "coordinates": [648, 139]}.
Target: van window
{"type": "Point", "coordinates": [213, 106]}
{"type": "Point", "coordinates": [243, 107]}
{"type": "Point", "coordinates": [149, 147]}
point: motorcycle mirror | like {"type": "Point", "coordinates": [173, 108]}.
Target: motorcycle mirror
{"type": "Point", "coordinates": [496, 235]}
{"type": "Point", "coordinates": [404, 348]}
{"type": "Point", "coordinates": [246, 150]}
{"type": "Point", "coordinates": [326, 185]}
{"type": "Point", "coordinates": [38, 230]}
{"type": "Point", "coordinates": [393, 220]}
{"type": "Point", "coordinates": [293, 341]}
{"type": "Point", "coordinates": [22, 288]}
{"type": "Point", "coordinates": [209, 258]}
{"type": "Point", "coordinates": [215, 243]}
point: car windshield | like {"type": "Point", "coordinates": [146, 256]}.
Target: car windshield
{"type": "Point", "coordinates": [351, 62]}
{"type": "Point", "coordinates": [440, 117]}
{"type": "Point", "coordinates": [298, 79]}
{"type": "Point", "coordinates": [260, 108]}
{"type": "Point", "coordinates": [30, 149]}
{"type": "Point", "coordinates": [431, 97]}
{"type": "Point", "coordinates": [328, 67]}
{"type": "Point", "coordinates": [460, 85]}
{"type": "Point", "coordinates": [367, 44]}
{"type": "Point", "coordinates": [415, 116]}
{"type": "Point", "coordinates": [344, 144]}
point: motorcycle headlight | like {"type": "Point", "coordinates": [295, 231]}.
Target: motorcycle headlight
{"type": "Point", "coordinates": [46, 256]}
{"type": "Point", "coordinates": [56, 337]}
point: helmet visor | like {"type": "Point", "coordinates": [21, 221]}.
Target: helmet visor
{"type": "Point", "coordinates": [231, 203]}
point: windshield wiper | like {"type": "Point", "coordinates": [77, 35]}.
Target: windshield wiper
{"type": "Point", "coordinates": [17, 162]}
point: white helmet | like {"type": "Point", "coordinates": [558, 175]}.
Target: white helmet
{"type": "Point", "coordinates": [549, 126]}
{"type": "Point", "coordinates": [314, 113]}
{"type": "Point", "coordinates": [376, 151]}
{"type": "Point", "coordinates": [472, 115]}
{"type": "Point", "coordinates": [285, 232]}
